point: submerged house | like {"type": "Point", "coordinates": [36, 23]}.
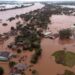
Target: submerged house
{"type": "Point", "coordinates": [18, 69]}
{"type": "Point", "coordinates": [47, 33]}
{"type": "Point", "coordinates": [21, 67]}
{"type": "Point", "coordinates": [4, 56]}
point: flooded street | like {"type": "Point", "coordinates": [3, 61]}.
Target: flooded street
{"type": "Point", "coordinates": [46, 64]}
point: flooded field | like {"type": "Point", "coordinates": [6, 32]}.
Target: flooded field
{"type": "Point", "coordinates": [46, 64]}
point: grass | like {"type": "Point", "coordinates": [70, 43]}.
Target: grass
{"type": "Point", "coordinates": [66, 58]}
{"type": "Point", "coordinates": [70, 59]}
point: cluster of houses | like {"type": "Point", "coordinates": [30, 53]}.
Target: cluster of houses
{"type": "Point", "coordinates": [17, 69]}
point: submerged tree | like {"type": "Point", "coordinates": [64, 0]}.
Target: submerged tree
{"type": "Point", "coordinates": [67, 72]}
{"type": "Point", "coordinates": [1, 71]}
{"type": "Point", "coordinates": [65, 34]}
{"type": "Point", "coordinates": [12, 63]}
{"type": "Point", "coordinates": [4, 24]}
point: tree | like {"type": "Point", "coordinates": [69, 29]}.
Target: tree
{"type": "Point", "coordinates": [36, 56]}
{"type": "Point", "coordinates": [12, 63]}
{"type": "Point", "coordinates": [17, 16]}
{"type": "Point", "coordinates": [11, 19]}
{"type": "Point", "coordinates": [34, 72]}
{"type": "Point", "coordinates": [65, 34]}
{"type": "Point", "coordinates": [19, 51]}
{"type": "Point", "coordinates": [12, 28]}
{"type": "Point", "coordinates": [4, 24]}
{"type": "Point", "coordinates": [1, 71]}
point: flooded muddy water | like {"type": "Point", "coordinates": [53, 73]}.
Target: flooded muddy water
{"type": "Point", "coordinates": [11, 13]}
{"type": "Point", "coordinates": [61, 22]}
{"type": "Point", "coordinates": [46, 64]}
{"type": "Point", "coordinates": [4, 15]}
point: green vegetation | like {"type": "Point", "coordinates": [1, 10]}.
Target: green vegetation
{"type": "Point", "coordinates": [17, 16]}
{"type": "Point", "coordinates": [12, 63]}
{"type": "Point", "coordinates": [34, 72]}
{"type": "Point", "coordinates": [18, 26]}
{"type": "Point", "coordinates": [4, 24]}
{"type": "Point", "coordinates": [36, 56]}
{"type": "Point", "coordinates": [26, 17]}
{"type": "Point", "coordinates": [58, 9]}
{"type": "Point", "coordinates": [67, 72]}
{"type": "Point", "coordinates": [12, 28]}
{"type": "Point", "coordinates": [65, 34]}
{"type": "Point", "coordinates": [19, 51]}
{"type": "Point", "coordinates": [29, 37]}
{"type": "Point", "coordinates": [11, 19]}
{"type": "Point", "coordinates": [41, 19]}
{"type": "Point", "coordinates": [1, 71]}
{"type": "Point", "coordinates": [65, 57]}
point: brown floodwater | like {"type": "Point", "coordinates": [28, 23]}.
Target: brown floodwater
{"type": "Point", "coordinates": [46, 64]}
{"type": "Point", "coordinates": [61, 22]}
{"type": "Point", "coordinates": [4, 15]}
{"type": "Point", "coordinates": [11, 13]}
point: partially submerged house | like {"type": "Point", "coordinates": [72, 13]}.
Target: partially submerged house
{"type": "Point", "coordinates": [18, 69]}
{"type": "Point", "coordinates": [4, 56]}
{"type": "Point", "coordinates": [47, 33]}
{"type": "Point", "coordinates": [21, 67]}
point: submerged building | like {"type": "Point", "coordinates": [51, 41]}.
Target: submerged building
{"type": "Point", "coordinates": [4, 56]}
